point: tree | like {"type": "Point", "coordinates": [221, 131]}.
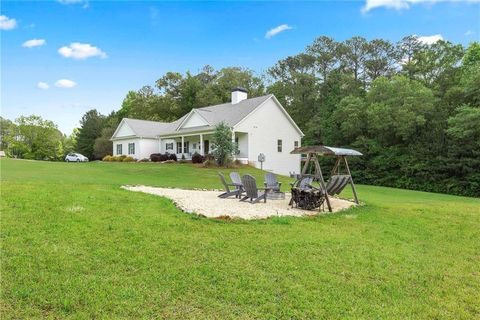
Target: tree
{"type": "Point", "coordinates": [34, 138]}
{"type": "Point", "coordinates": [464, 128]}
{"type": "Point", "coordinates": [223, 146]}
{"type": "Point", "coordinates": [103, 146]}
{"type": "Point", "coordinates": [91, 127]}
{"type": "Point", "coordinates": [397, 109]}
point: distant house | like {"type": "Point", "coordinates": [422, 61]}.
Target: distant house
{"type": "Point", "coordinates": [2, 154]}
{"type": "Point", "coordinates": [259, 126]}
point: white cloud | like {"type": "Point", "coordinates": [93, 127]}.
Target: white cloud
{"type": "Point", "coordinates": [469, 33]}
{"type": "Point", "coordinates": [43, 85]}
{"type": "Point", "coordinates": [401, 4]}
{"type": "Point", "coordinates": [81, 51]}
{"type": "Point", "coordinates": [430, 39]}
{"type": "Point", "coordinates": [65, 83]}
{"type": "Point", "coordinates": [84, 2]}
{"type": "Point", "coordinates": [7, 23]}
{"type": "Point", "coordinates": [34, 43]}
{"type": "Point", "coordinates": [273, 32]}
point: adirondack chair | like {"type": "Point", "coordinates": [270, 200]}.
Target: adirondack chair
{"type": "Point", "coordinates": [253, 193]}
{"type": "Point", "coordinates": [235, 191]}
{"type": "Point", "coordinates": [271, 182]}
{"type": "Point", "coordinates": [337, 183]}
{"type": "Point", "coordinates": [236, 179]}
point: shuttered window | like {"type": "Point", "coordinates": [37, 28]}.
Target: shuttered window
{"type": "Point", "coordinates": [131, 148]}
{"type": "Point", "coordinates": [119, 149]}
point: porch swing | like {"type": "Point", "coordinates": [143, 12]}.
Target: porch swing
{"type": "Point", "coordinates": [338, 178]}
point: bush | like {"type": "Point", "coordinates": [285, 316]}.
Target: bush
{"type": "Point", "coordinates": [159, 157]}
{"type": "Point", "coordinates": [209, 163]}
{"type": "Point", "coordinates": [197, 158]}
{"type": "Point", "coordinates": [107, 158]}
{"type": "Point", "coordinates": [155, 157]}
{"type": "Point", "coordinates": [128, 159]}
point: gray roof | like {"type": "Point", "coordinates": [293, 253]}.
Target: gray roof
{"type": "Point", "coordinates": [147, 129]}
{"type": "Point", "coordinates": [229, 113]}
{"type": "Point", "coordinates": [326, 151]}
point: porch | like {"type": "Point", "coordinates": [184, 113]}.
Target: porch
{"type": "Point", "coordinates": [186, 145]}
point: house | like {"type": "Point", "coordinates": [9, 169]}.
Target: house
{"type": "Point", "coordinates": [259, 126]}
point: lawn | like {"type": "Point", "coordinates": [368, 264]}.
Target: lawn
{"type": "Point", "coordinates": [75, 245]}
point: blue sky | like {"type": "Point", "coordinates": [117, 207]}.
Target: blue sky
{"type": "Point", "coordinates": [120, 46]}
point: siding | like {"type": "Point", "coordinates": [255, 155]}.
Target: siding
{"type": "Point", "coordinates": [265, 126]}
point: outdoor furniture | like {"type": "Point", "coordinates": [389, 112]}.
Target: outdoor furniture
{"type": "Point", "coordinates": [236, 179]}
{"type": "Point", "coordinates": [271, 182]}
{"type": "Point", "coordinates": [235, 191]}
{"type": "Point", "coordinates": [253, 193]}
{"type": "Point", "coordinates": [337, 183]}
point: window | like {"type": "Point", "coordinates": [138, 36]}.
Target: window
{"type": "Point", "coordinates": [194, 146]}
{"type": "Point", "coordinates": [295, 144]}
{"type": "Point", "coordinates": [131, 148]}
{"type": "Point", "coordinates": [119, 149]}
{"type": "Point", "coordinates": [279, 145]}
{"type": "Point", "coordinates": [186, 147]}
{"type": "Point", "coordinates": [169, 146]}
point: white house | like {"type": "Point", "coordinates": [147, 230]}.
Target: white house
{"type": "Point", "coordinates": [259, 126]}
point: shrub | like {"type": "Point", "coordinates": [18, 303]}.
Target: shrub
{"type": "Point", "coordinates": [128, 159]}
{"type": "Point", "coordinates": [159, 157]}
{"type": "Point", "coordinates": [197, 158]}
{"type": "Point", "coordinates": [155, 157]}
{"type": "Point", "coordinates": [107, 158]}
{"type": "Point", "coordinates": [209, 163]}
{"type": "Point", "coordinates": [224, 148]}
{"type": "Point", "coordinates": [183, 156]}
{"type": "Point", "coordinates": [164, 157]}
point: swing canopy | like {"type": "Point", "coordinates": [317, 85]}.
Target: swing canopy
{"type": "Point", "coordinates": [326, 151]}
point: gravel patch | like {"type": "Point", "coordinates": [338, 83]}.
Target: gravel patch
{"type": "Point", "coordinates": [206, 203]}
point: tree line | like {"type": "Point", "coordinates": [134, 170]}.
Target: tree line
{"type": "Point", "coordinates": [412, 108]}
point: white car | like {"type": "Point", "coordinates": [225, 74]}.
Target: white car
{"type": "Point", "coordinates": [75, 157]}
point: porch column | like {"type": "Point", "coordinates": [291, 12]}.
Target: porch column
{"type": "Point", "coordinates": [183, 146]}
{"type": "Point", "coordinates": [201, 145]}
{"type": "Point", "coordinates": [233, 141]}
{"type": "Point", "coordinates": [159, 145]}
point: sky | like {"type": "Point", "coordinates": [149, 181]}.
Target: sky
{"type": "Point", "coordinates": [60, 59]}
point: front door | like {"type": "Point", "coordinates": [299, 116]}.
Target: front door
{"type": "Point", "coordinates": [206, 146]}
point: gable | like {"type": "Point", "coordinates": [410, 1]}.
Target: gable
{"type": "Point", "coordinates": [270, 112]}
{"type": "Point", "coordinates": [123, 130]}
{"type": "Point", "coordinates": [193, 120]}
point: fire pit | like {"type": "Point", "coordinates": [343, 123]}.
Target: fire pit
{"type": "Point", "coordinates": [275, 195]}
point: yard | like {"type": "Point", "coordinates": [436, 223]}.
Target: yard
{"type": "Point", "coordinates": [75, 245]}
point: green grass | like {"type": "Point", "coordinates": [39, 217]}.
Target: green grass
{"type": "Point", "coordinates": [75, 245]}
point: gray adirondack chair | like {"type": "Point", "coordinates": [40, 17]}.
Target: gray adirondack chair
{"type": "Point", "coordinates": [337, 183]}
{"type": "Point", "coordinates": [271, 182]}
{"type": "Point", "coordinates": [253, 193]}
{"type": "Point", "coordinates": [234, 191]}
